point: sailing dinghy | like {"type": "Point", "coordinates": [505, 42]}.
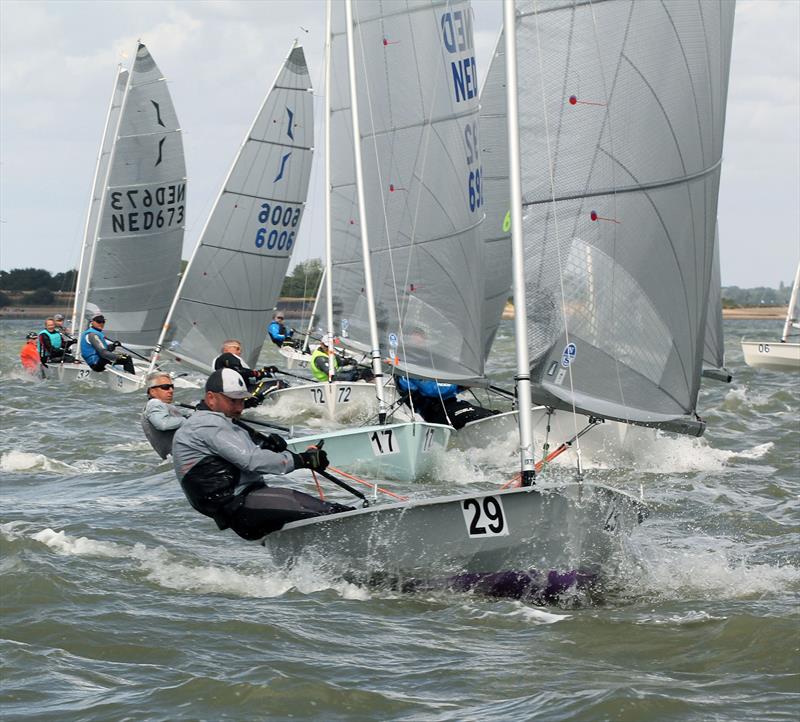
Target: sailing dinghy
{"type": "Point", "coordinates": [782, 355]}
{"type": "Point", "coordinates": [134, 228]}
{"type": "Point", "coordinates": [660, 73]}
{"type": "Point", "coordinates": [404, 211]}
{"type": "Point", "coordinates": [235, 274]}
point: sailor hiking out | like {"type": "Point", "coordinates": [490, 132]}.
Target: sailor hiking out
{"type": "Point", "coordinates": [98, 351]}
{"type": "Point", "coordinates": [439, 403]}
{"type": "Point", "coordinates": [220, 466]}
{"type": "Point", "coordinates": [161, 418]}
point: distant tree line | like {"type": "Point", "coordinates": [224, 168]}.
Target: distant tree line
{"type": "Point", "coordinates": [303, 282]}
{"type": "Point", "coordinates": [35, 286]}
{"type": "Point", "coordinates": [735, 297]}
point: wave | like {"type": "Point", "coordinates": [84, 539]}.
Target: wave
{"type": "Point", "coordinates": [163, 568]}
{"type": "Point", "coordinates": [27, 461]}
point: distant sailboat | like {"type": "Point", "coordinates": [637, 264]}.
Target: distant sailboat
{"type": "Point", "coordinates": [135, 224]}
{"type": "Point", "coordinates": [783, 354]}
{"type": "Point", "coordinates": [233, 279]}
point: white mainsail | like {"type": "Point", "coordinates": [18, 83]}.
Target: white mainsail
{"type": "Point", "coordinates": [138, 210]}
{"type": "Point", "coordinates": [96, 196]}
{"type": "Point", "coordinates": [417, 81]}
{"type": "Point", "coordinates": [623, 118]}
{"type": "Point", "coordinates": [235, 275]}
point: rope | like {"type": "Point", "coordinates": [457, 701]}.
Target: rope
{"type": "Point", "coordinates": [375, 487]}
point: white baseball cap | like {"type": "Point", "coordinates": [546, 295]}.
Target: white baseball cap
{"type": "Point", "coordinates": [228, 383]}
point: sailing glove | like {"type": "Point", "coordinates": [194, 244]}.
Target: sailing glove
{"type": "Point", "coordinates": [273, 442]}
{"type": "Point", "coordinates": [312, 458]}
{"type": "Point", "coordinates": [269, 370]}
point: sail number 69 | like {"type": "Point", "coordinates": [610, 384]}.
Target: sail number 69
{"type": "Point", "coordinates": [484, 517]}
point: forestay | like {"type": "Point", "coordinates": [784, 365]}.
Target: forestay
{"type": "Point", "coordinates": [417, 85]}
{"type": "Point", "coordinates": [623, 109]}
{"type": "Point", "coordinates": [235, 275]}
{"type": "Point", "coordinates": [134, 262]}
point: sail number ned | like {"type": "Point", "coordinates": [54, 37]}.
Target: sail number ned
{"type": "Point", "coordinates": [484, 517]}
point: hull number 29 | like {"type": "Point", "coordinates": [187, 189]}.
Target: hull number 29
{"type": "Point", "coordinates": [484, 517]}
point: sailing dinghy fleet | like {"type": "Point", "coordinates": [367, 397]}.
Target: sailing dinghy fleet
{"type": "Point", "coordinates": [584, 180]}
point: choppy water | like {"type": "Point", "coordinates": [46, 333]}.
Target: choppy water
{"type": "Point", "coordinates": [121, 603]}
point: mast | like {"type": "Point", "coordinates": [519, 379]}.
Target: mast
{"type": "Point", "coordinates": [523, 378]}
{"type": "Point", "coordinates": [375, 353]}
{"type": "Point", "coordinates": [327, 164]}
{"type": "Point", "coordinates": [787, 327]}
{"type": "Point", "coordinates": [87, 268]}
{"type": "Point", "coordinates": [89, 231]}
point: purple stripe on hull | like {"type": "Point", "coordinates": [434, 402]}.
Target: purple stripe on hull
{"type": "Point", "coordinates": [531, 585]}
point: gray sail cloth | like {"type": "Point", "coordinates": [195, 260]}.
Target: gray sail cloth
{"type": "Point", "coordinates": [98, 189]}
{"type": "Point", "coordinates": [623, 106]}
{"type": "Point", "coordinates": [210, 433]}
{"type": "Point", "coordinates": [236, 273]}
{"type": "Point", "coordinates": [793, 313]}
{"type": "Point", "coordinates": [714, 342]}
{"type": "Point", "coordinates": [496, 227]}
{"type": "Point", "coordinates": [160, 421]}
{"type": "Point", "coordinates": [137, 252]}
{"type": "Point", "coordinates": [418, 113]}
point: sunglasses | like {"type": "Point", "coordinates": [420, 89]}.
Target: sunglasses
{"type": "Point", "coordinates": [164, 387]}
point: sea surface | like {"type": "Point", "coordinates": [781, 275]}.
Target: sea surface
{"type": "Point", "coordinates": [119, 602]}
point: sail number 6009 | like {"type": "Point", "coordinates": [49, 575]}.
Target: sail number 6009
{"type": "Point", "coordinates": [281, 218]}
{"type": "Point", "coordinates": [484, 517]}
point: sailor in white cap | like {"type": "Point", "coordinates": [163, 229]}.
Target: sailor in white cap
{"type": "Point", "coordinates": [220, 466]}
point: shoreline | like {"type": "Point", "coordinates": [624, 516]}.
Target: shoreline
{"type": "Point", "coordinates": [39, 313]}
{"type": "Point", "coordinates": [746, 313]}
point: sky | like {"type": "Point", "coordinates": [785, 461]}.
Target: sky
{"type": "Point", "coordinates": [57, 65]}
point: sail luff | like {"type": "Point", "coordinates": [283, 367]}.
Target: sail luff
{"type": "Point", "coordinates": [92, 212]}
{"type": "Point", "coordinates": [96, 229]}
{"type": "Point", "coordinates": [523, 378]}
{"type": "Point", "coordinates": [375, 353]}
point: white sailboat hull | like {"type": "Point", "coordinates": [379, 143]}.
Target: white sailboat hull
{"type": "Point", "coordinates": [295, 359]}
{"type": "Point", "coordinates": [67, 372]}
{"type": "Point", "coordinates": [403, 452]}
{"type": "Point", "coordinates": [123, 382]}
{"type": "Point", "coordinates": [530, 543]}
{"type": "Point", "coordinates": [338, 401]}
{"type": "Point", "coordinates": [775, 356]}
